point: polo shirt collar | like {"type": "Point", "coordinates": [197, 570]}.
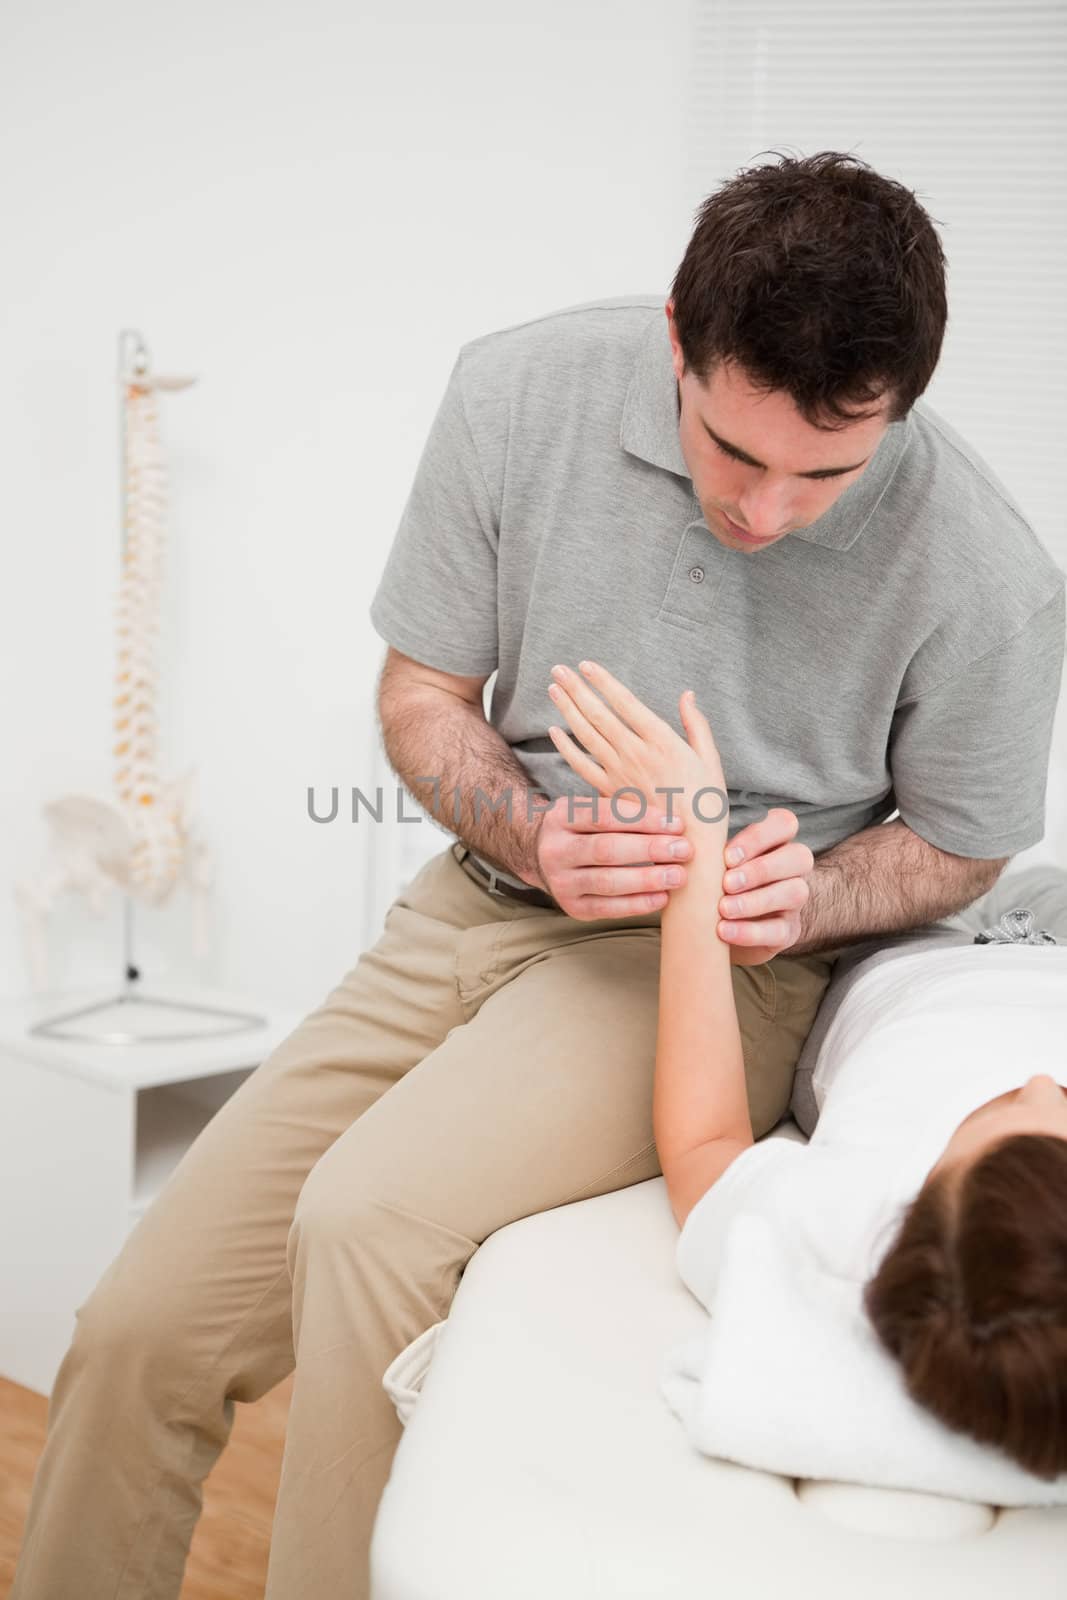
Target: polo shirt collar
{"type": "Point", "coordinates": [649, 430]}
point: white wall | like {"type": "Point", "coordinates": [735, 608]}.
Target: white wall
{"type": "Point", "coordinates": [311, 207]}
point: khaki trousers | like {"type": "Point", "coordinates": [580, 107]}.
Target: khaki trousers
{"type": "Point", "coordinates": [485, 1060]}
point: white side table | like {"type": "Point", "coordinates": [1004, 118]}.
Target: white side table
{"type": "Point", "coordinates": [89, 1134]}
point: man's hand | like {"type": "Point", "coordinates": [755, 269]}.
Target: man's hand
{"type": "Point", "coordinates": [596, 865]}
{"type": "Point", "coordinates": [587, 861]}
{"type": "Point", "coordinates": [763, 895]}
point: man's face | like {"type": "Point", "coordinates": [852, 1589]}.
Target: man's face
{"type": "Point", "coordinates": [771, 499]}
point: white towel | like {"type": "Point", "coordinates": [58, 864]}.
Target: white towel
{"type": "Point", "coordinates": [789, 1377]}
{"type": "Point", "coordinates": [405, 1375]}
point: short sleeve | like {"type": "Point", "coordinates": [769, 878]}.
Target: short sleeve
{"type": "Point", "coordinates": [969, 759]}
{"type": "Point", "coordinates": [436, 599]}
{"type": "Point", "coordinates": [747, 1185]}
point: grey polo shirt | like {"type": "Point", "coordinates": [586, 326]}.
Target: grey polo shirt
{"type": "Point", "coordinates": [903, 652]}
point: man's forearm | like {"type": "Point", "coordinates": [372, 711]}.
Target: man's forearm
{"type": "Point", "coordinates": [883, 880]}
{"type": "Point", "coordinates": [464, 774]}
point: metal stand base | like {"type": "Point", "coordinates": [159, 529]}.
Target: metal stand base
{"type": "Point", "coordinates": [238, 1022]}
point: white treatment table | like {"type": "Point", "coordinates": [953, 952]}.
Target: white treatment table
{"type": "Point", "coordinates": [540, 1461]}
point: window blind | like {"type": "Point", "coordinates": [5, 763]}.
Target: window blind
{"type": "Point", "coordinates": [964, 102]}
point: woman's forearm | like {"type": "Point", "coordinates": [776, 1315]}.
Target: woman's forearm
{"type": "Point", "coordinates": [699, 1091]}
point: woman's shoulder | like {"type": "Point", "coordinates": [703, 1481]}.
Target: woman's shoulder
{"type": "Point", "coordinates": [830, 1203]}
{"type": "Point", "coordinates": [756, 1180]}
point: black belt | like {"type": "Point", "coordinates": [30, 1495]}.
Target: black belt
{"type": "Point", "coordinates": [489, 880]}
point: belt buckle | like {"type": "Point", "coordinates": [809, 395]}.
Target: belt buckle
{"type": "Point", "coordinates": [500, 893]}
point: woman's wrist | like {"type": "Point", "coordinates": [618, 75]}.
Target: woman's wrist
{"type": "Point", "coordinates": [708, 838]}
{"type": "Point", "coordinates": [706, 866]}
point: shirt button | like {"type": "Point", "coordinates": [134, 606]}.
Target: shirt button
{"type": "Point", "coordinates": [697, 574]}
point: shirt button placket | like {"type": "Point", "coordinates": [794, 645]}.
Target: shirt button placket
{"type": "Point", "coordinates": [695, 579]}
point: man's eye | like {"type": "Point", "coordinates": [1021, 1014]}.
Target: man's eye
{"type": "Point", "coordinates": [819, 477]}
{"type": "Point", "coordinates": [729, 454]}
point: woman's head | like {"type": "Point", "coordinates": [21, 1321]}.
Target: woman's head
{"type": "Point", "coordinates": [1039, 1106]}
{"type": "Point", "coordinates": [971, 1297]}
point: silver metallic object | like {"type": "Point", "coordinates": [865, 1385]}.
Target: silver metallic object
{"type": "Point", "coordinates": [1015, 927]}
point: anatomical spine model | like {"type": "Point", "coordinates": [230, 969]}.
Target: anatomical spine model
{"type": "Point", "coordinates": [143, 842]}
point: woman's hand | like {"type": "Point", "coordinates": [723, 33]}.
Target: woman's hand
{"type": "Point", "coordinates": [631, 748]}
{"type": "Point", "coordinates": [763, 897]}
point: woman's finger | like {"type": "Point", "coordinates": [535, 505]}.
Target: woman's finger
{"type": "Point", "coordinates": [697, 727]}
{"type": "Point", "coordinates": [634, 712]}
{"type": "Point", "coordinates": [613, 732]}
{"type": "Point", "coordinates": [598, 746]}
{"type": "Point", "coordinates": [582, 764]}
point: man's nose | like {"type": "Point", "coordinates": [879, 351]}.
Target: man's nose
{"type": "Point", "coordinates": [766, 510]}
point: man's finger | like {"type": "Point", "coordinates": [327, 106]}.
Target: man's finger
{"type": "Point", "coordinates": [785, 894]}
{"type": "Point", "coordinates": [777, 827]}
{"type": "Point", "coordinates": [620, 905]}
{"type": "Point", "coordinates": [792, 860]}
{"type": "Point", "coordinates": [627, 849]}
{"type": "Point", "coordinates": [622, 883]}
{"type": "Point", "coordinates": [625, 816]}
{"type": "Point", "coordinates": [776, 931]}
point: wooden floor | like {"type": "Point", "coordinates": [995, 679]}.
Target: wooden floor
{"type": "Point", "coordinates": [228, 1557]}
